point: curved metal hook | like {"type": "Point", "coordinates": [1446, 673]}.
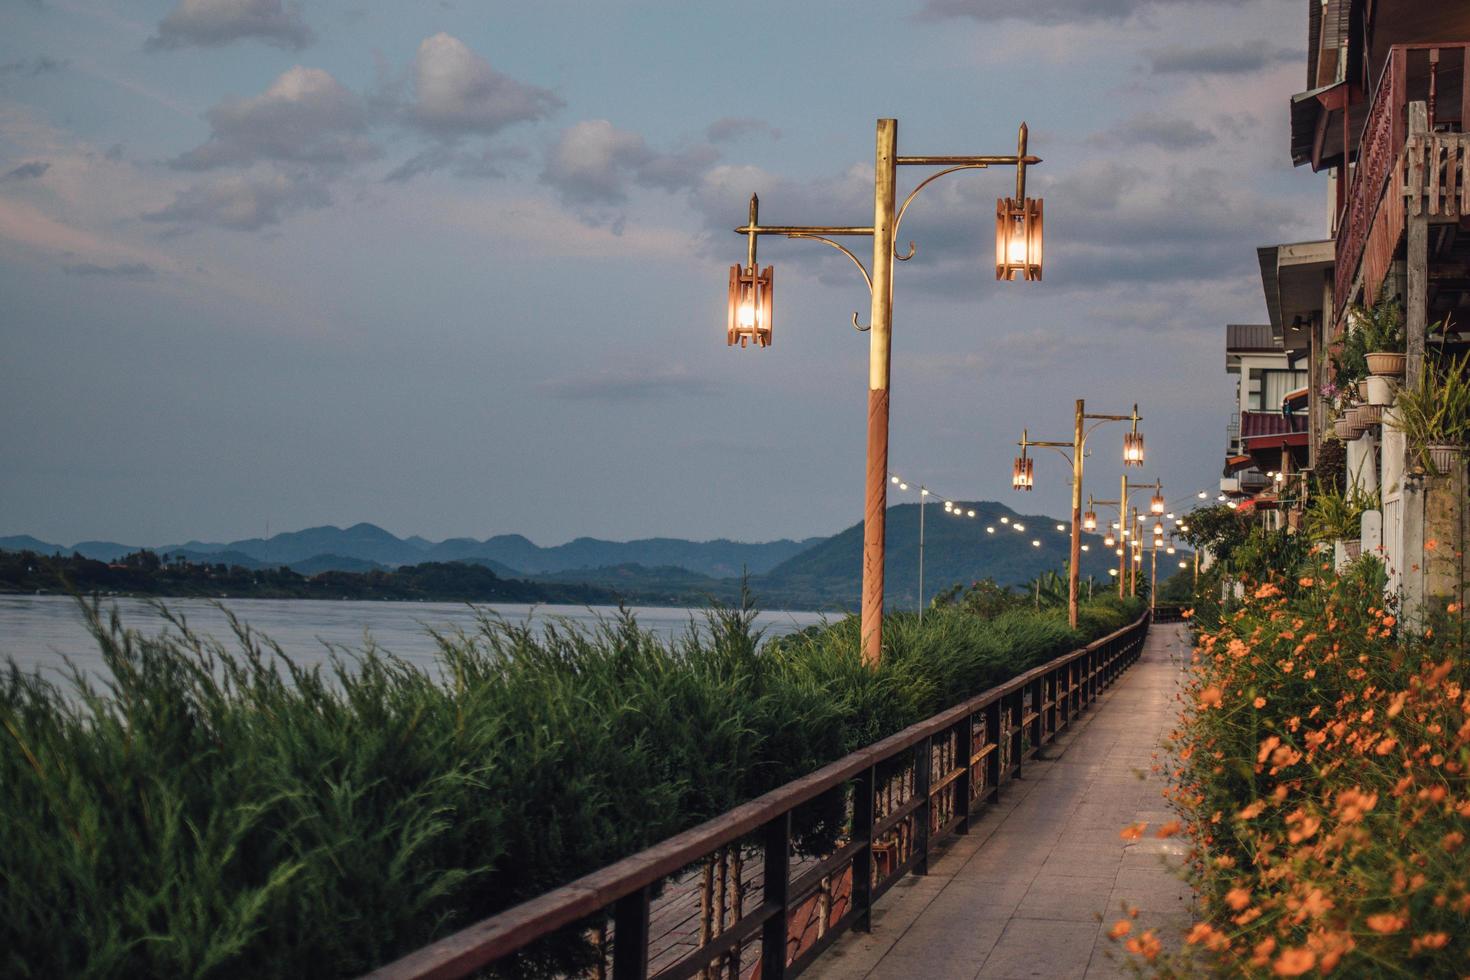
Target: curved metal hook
{"type": "Point", "coordinates": [855, 261]}
{"type": "Point", "coordinates": [898, 220]}
{"type": "Point", "coordinates": [904, 258]}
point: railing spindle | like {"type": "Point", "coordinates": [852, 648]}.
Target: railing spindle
{"type": "Point", "coordinates": [776, 894]}
{"type": "Point", "coordinates": [630, 936]}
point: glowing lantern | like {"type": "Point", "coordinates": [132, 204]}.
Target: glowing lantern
{"type": "Point", "coordinates": [750, 306]}
{"type": "Point", "coordinates": [1022, 475]}
{"type": "Point", "coordinates": [1132, 449]}
{"type": "Point", "coordinates": [1089, 521]}
{"type": "Point", "coordinates": [1018, 244]}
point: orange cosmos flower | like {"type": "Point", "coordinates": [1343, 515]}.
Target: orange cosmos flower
{"type": "Point", "coordinates": [1238, 898]}
{"type": "Point", "coordinates": [1133, 831]}
{"type": "Point", "coordinates": [1387, 922]}
{"type": "Point", "coordinates": [1259, 702]}
{"type": "Point", "coordinates": [1120, 929]}
{"type": "Point", "coordinates": [1146, 945]}
{"type": "Point", "coordinates": [1167, 830]}
{"type": "Point", "coordinates": [1294, 962]}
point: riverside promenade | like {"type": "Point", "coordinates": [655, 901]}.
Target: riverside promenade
{"type": "Point", "coordinates": [1035, 886]}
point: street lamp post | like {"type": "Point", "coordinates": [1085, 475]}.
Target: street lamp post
{"type": "Point", "coordinates": [1018, 255]}
{"type": "Point", "coordinates": [1125, 530]}
{"type": "Point", "coordinates": [1077, 448]}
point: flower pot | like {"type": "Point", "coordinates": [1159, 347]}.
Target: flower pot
{"type": "Point", "coordinates": [1381, 389]}
{"type": "Point", "coordinates": [1443, 457]}
{"type": "Point", "coordinates": [1352, 547]}
{"type": "Point", "coordinates": [1369, 415]}
{"type": "Point", "coordinates": [1344, 428]}
{"type": "Point", "coordinates": [1362, 387]}
{"type": "Point", "coordinates": [1387, 364]}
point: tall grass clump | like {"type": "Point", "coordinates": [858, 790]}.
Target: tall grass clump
{"type": "Point", "coordinates": [203, 810]}
{"type": "Point", "coordinates": [1321, 769]}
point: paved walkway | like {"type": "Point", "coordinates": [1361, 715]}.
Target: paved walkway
{"type": "Point", "coordinates": [1039, 880]}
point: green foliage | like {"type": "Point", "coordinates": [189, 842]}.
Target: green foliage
{"type": "Point", "coordinates": [1333, 514]}
{"type": "Point", "coordinates": [205, 811]}
{"type": "Point", "coordinates": [1380, 327]}
{"type": "Point", "coordinates": [1436, 410]}
{"type": "Point", "coordinates": [1219, 529]}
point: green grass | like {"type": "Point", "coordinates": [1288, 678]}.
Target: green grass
{"type": "Point", "coordinates": [205, 811]}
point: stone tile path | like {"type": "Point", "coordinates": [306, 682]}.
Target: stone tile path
{"type": "Point", "coordinates": [1042, 876]}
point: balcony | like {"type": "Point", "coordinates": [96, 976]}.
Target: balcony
{"type": "Point", "coordinates": [1432, 167]}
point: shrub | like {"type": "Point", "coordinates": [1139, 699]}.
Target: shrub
{"type": "Point", "coordinates": [219, 811]}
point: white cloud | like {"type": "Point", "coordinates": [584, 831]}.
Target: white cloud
{"type": "Point", "coordinates": [242, 203]}
{"type": "Point", "coordinates": [211, 23]}
{"type": "Point", "coordinates": [458, 92]}
{"type": "Point", "coordinates": [305, 116]}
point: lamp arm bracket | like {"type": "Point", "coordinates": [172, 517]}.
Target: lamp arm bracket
{"type": "Point", "coordinates": [855, 261]}
{"type": "Point", "coordinates": [898, 220]}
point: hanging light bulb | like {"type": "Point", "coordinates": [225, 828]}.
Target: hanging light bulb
{"type": "Point", "coordinates": [1022, 472]}
{"type": "Point", "coordinates": [1018, 226]}
{"type": "Point", "coordinates": [1089, 521]}
{"type": "Point", "coordinates": [750, 312]}
{"type": "Point", "coordinates": [1132, 449]}
{"type": "Point", "coordinates": [1109, 540]}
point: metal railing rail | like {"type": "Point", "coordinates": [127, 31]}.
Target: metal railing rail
{"type": "Point", "coordinates": [997, 731]}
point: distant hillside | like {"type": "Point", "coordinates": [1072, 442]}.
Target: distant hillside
{"type": "Point", "coordinates": [956, 550]}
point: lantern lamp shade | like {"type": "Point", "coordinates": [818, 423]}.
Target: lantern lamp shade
{"type": "Point", "coordinates": [1158, 530]}
{"type": "Point", "coordinates": [1089, 521]}
{"type": "Point", "coordinates": [1109, 540]}
{"type": "Point", "coordinates": [1156, 504]}
{"type": "Point", "coordinates": [749, 317]}
{"type": "Point", "coordinates": [1022, 475]}
{"type": "Point", "coordinates": [1018, 239]}
{"type": "Point", "coordinates": [1133, 449]}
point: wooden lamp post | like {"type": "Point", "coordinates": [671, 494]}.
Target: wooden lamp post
{"type": "Point", "coordinates": [1018, 256]}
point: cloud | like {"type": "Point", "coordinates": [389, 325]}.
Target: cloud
{"type": "Point", "coordinates": [1044, 11]}
{"type": "Point", "coordinates": [1155, 129]}
{"type": "Point", "coordinates": [1220, 59]}
{"type": "Point", "coordinates": [636, 384]}
{"type": "Point", "coordinates": [488, 162]}
{"type": "Point", "coordinates": [212, 23]}
{"type": "Point", "coordinates": [39, 65]}
{"type": "Point", "coordinates": [242, 203]}
{"type": "Point", "coordinates": [27, 171]}
{"type": "Point", "coordinates": [737, 127]}
{"type": "Point", "coordinates": [593, 162]}
{"type": "Point", "coordinates": [457, 92]}
{"type": "Point", "coordinates": [306, 116]}
{"type": "Point", "coordinates": [123, 270]}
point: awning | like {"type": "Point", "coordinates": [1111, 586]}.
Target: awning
{"type": "Point", "coordinates": [1295, 401]}
{"type": "Point", "coordinates": [1236, 463]}
{"type": "Point", "coordinates": [1316, 126]}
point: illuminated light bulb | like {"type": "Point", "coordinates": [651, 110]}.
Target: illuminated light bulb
{"type": "Point", "coordinates": [1115, 525]}
{"type": "Point", "coordinates": [1113, 572]}
{"type": "Point", "coordinates": [1137, 559]}
{"type": "Point", "coordinates": [990, 530]}
{"type": "Point", "coordinates": [1086, 547]}
{"type": "Point", "coordinates": [1184, 527]}
{"type": "Point", "coordinates": [923, 493]}
{"type": "Point", "coordinates": [895, 479]}
{"type": "Point", "coordinates": [1005, 520]}
{"type": "Point", "coordinates": [1061, 527]}
{"type": "Point", "coordinates": [1170, 515]}
{"type": "Point", "coordinates": [1203, 495]}
{"type": "Point", "coordinates": [972, 513]}
{"type": "Point", "coordinates": [1169, 550]}
{"type": "Point", "coordinates": [1019, 527]}
{"type": "Point", "coordinates": [1109, 540]}
{"type": "Point", "coordinates": [1184, 564]}
{"type": "Point", "coordinates": [747, 315]}
{"type": "Point", "coordinates": [1089, 521]}
{"type": "Point", "coordinates": [903, 486]}
{"type": "Point", "coordinates": [1119, 552]}
{"type": "Point", "coordinates": [1232, 505]}
{"type": "Point", "coordinates": [1035, 543]}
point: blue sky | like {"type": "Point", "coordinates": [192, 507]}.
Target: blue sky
{"type": "Point", "coordinates": [458, 268]}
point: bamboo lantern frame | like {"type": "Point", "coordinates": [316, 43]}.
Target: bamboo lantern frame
{"type": "Point", "coordinates": [1023, 473]}
{"type": "Point", "coordinates": [1133, 449]}
{"type": "Point", "coordinates": [1089, 521]}
{"type": "Point", "coordinates": [750, 288]}
{"type": "Point", "coordinates": [1018, 238]}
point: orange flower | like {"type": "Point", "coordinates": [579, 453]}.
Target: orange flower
{"type": "Point", "coordinates": [1259, 702]}
{"type": "Point", "coordinates": [1170, 829]}
{"type": "Point", "coordinates": [1267, 745]}
{"type": "Point", "coordinates": [1431, 940]}
{"type": "Point", "coordinates": [1306, 582]}
{"type": "Point", "coordinates": [1431, 544]}
{"type": "Point", "coordinates": [1387, 922]}
{"type": "Point", "coordinates": [1253, 810]}
{"type": "Point", "coordinates": [1386, 746]}
{"type": "Point", "coordinates": [1452, 840]}
{"type": "Point", "coordinates": [1120, 929]}
{"type": "Point", "coordinates": [1210, 697]}
{"type": "Point", "coordinates": [1133, 831]}
{"type": "Point", "coordinates": [1238, 898]}
{"type": "Point", "coordinates": [1146, 945]}
{"type": "Point", "coordinates": [1294, 962]}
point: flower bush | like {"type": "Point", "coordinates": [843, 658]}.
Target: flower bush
{"type": "Point", "coordinates": [1320, 768]}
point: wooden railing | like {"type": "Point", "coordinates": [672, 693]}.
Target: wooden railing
{"type": "Point", "coordinates": [1379, 149]}
{"type": "Point", "coordinates": [899, 797]}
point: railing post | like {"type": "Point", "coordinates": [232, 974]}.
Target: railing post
{"type": "Point", "coordinates": [1017, 729]}
{"type": "Point", "coordinates": [964, 740]}
{"type": "Point", "coordinates": [862, 862]}
{"type": "Point", "coordinates": [1038, 708]}
{"type": "Point", "coordinates": [992, 760]}
{"type": "Point", "coordinates": [923, 771]}
{"type": "Point", "coordinates": [630, 936]}
{"type": "Point", "coordinates": [775, 891]}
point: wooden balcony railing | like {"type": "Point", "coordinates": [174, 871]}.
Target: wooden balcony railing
{"type": "Point", "coordinates": [898, 798]}
{"type": "Point", "coordinates": [1411, 72]}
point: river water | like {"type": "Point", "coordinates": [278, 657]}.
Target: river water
{"type": "Point", "coordinates": [39, 631]}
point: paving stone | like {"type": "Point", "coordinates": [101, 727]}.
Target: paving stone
{"type": "Point", "coordinates": [1032, 890]}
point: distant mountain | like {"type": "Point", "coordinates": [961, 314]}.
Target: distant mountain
{"type": "Point", "coordinates": [336, 563]}
{"type": "Point", "coordinates": [364, 542]}
{"type": "Point", "coordinates": [720, 558]}
{"type": "Point", "coordinates": [24, 542]}
{"type": "Point", "coordinates": [103, 550]}
{"type": "Point", "coordinates": [956, 550]}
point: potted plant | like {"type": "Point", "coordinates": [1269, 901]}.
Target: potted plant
{"type": "Point", "coordinates": [1334, 518]}
{"type": "Point", "coordinates": [1380, 330]}
{"type": "Point", "coordinates": [1434, 413]}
